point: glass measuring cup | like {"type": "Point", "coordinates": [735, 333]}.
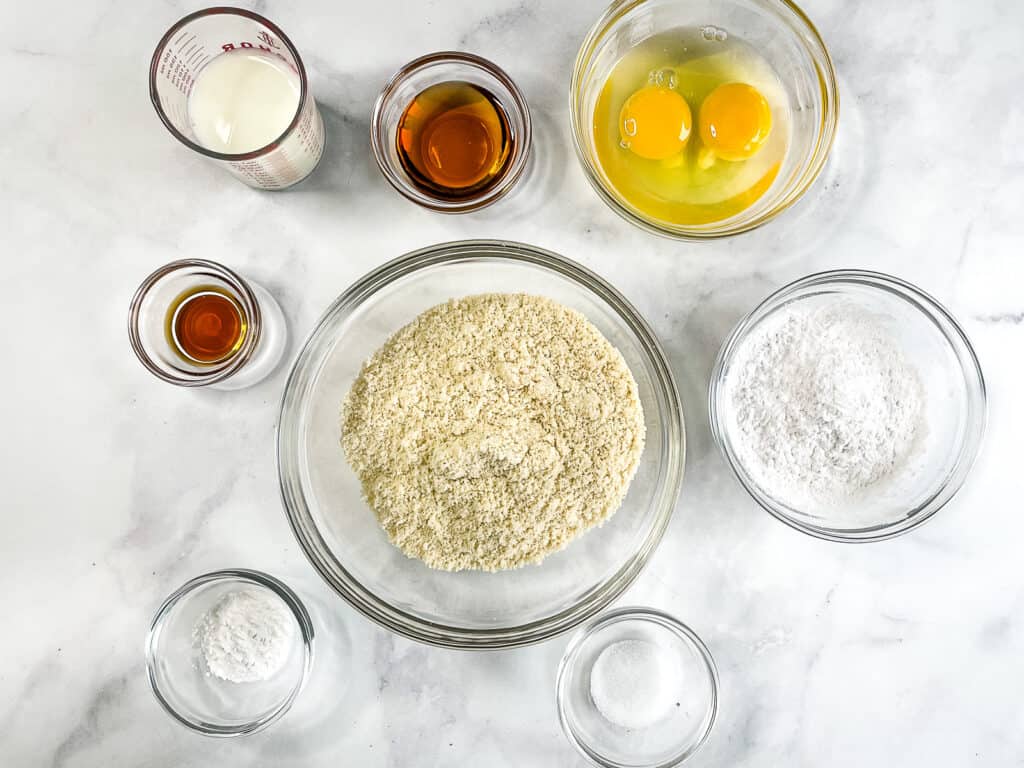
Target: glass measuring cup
{"type": "Point", "coordinates": [196, 40]}
{"type": "Point", "coordinates": [150, 328]}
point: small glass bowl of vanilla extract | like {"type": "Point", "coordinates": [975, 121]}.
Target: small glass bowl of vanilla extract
{"type": "Point", "coordinates": [197, 323]}
{"type": "Point", "coordinates": [451, 132]}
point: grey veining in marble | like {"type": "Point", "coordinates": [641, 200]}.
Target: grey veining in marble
{"type": "Point", "coordinates": [117, 488]}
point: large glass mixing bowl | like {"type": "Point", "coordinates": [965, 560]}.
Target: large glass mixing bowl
{"type": "Point", "coordinates": [339, 532]}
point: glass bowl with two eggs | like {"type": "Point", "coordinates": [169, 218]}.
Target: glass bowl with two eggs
{"type": "Point", "coordinates": [697, 119]}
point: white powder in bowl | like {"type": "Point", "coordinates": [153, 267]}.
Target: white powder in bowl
{"type": "Point", "coordinates": [824, 403]}
{"type": "Point", "coordinates": [634, 683]}
{"type": "Point", "coordinates": [246, 636]}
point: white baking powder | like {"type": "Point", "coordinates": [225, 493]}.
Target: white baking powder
{"type": "Point", "coordinates": [824, 403]}
{"type": "Point", "coordinates": [246, 636]}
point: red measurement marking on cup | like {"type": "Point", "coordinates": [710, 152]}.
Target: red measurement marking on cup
{"type": "Point", "coordinates": [245, 45]}
{"type": "Point", "coordinates": [266, 38]}
{"type": "Point", "coordinates": [177, 65]}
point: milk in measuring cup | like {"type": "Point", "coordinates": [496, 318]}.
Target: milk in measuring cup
{"type": "Point", "coordinates": [242, 101]}
{"type": "Point", "coordinates": [245, 99]}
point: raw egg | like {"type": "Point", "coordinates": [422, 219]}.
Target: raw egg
{"type": "Point", "coordinates": [649, 116]}
{"type": "Point", "coordinates": [655, 122]}
{"type": "Point", "coordinates": [735, 121]}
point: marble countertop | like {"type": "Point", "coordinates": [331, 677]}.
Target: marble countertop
{"type": "Point", "coordinates": [118, 488]}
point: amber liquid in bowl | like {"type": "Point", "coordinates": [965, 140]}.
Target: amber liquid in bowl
{"type": "Point", "coordinates": [205, 325]}
{"type": "Point", "coordinates": [454, 140]}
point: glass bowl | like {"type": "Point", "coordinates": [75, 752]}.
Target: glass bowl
{"type": "Point", "coordinates": [784, 37]}
{"type": "Point", "coordinates": [150, 334]}
{"type": "Point", "coordinates": [201, 701]}
{"type": "Point", "coordinates": [954, 398]}
{"type": "Point", "coordinates": [693, 684]}
{"type": "Point", "coordinates": [340, 533]}
{"type": "Point", "coordinates": [432, 69]}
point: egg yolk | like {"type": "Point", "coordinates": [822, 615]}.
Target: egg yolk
{"type": "Point", "coordinates": [735, 121]}
{"type": "Point", "coordinates": [655, 122]}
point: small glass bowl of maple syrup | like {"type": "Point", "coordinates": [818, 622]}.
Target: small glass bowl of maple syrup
{"type": "Point", "coordinates": [196, 323]}
{"type": "Point", "coordinates": [451, 132]}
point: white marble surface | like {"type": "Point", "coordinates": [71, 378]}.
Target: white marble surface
{"type": "Point", "coordinates": [118, 488]}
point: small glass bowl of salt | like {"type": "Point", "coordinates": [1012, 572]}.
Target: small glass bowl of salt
{"type": "Point", "coordinates": [228, 652]}
{"type": "Point", "coordinates": [636, 688]}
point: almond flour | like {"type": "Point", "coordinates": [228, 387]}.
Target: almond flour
{"type": "Point", "coordinates": [492, 430]}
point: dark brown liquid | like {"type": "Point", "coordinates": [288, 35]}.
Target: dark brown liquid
{"type": "Point", "coordinates": [454, 140]}
{"type": "Point", "coordinates": [206, 325]}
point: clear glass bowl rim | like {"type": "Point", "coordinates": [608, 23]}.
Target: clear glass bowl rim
{"type": "Point", "coordinates": [633, 613]}
{"type": "Point", "coordinates": [276, 586]}
{"type": "Point", "coordinates": [823, 146]}
{"type": "Point", "coordinates": [289, 473]}
{"type": "Point", "coordinates": [954, 335]}
{"type": "Point", "coordinates": [517, 163]}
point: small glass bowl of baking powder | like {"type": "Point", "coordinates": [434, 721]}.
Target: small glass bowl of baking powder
{"type": "Point", "coordinates": [228, 653]}
{"type": "Point", "coordinates": [636, 688]}
{"type": "Point", "coordinates": [849, 404]}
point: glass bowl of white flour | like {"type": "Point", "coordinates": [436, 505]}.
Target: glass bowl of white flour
{"type": "Point", "coordinates": [849, 404]}
{"type": "Point", "coordinates": [228, 652]}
